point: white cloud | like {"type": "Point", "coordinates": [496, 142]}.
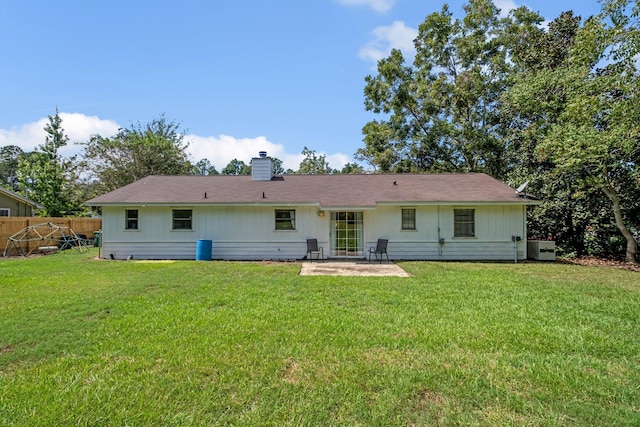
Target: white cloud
{"type": "Point", "coordinates": [218, 150]}
{"type": "Point", "coordinates": [336, 161]}
{"type": "Point", "coordinates": [78, 127]}
{"type": "Point", "coordinates": [377, 5]}
{"type": "Point", "coordinates": [26, 136]}
{"type": "Point", "coordinates": [385, 38]}
{"type": "Point", "coordinates": [224, 148]}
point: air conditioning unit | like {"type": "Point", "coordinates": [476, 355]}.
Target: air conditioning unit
{"type": "Point", "coordinates": [541, 250]}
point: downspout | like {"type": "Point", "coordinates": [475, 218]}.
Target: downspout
{"type": "Point", "coordinates": [440, 239]}
{"type": "Point", "coordinates": [515, 239]}
{"type": "Point", "coordinates": [524, 230]}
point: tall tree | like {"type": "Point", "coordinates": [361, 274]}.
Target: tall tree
{"type": "Point", "coordinates": [278, 169]}
{"type": "Point", "coordinates": [441, 113]}
{"type": "Point", "coordinates": [204, 167]}
{"type": "Point", "coordinates": [157, 148]}
{"type": "Point", "coordinates": [595, 135]}
{"type": "Point", "coordinates": [47, 177]}
{"type": "Point", "coordinates": [313, 163]}
{"type": "Point", "coordinates": [352, 168]}
{"type": "Point", "coordinates": [9, 161]}
{"type": "Point", "coordinates": [236, 167]}
{"type": "Point", "coordinates": [527, 118]}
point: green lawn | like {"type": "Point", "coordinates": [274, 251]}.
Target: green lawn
{"type": "Point", "coordinates": [87, 342]}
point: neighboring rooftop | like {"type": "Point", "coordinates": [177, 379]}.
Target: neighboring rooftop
{"type": "Point", "coordinates": [20, 198]}
{"type": "Point", "coordinates": [326, 191]}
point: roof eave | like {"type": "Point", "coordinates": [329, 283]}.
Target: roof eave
{"type": "Point", "coordinates": [462, 203]}
{"type": "Point", "coordinates": [229, 204]}
{"type": "Point", "coordinates": [347, 207]}
{"type": "Point", "coordinates": [329, 207]}
{"type": "Point", "coordinates": [21, 198]}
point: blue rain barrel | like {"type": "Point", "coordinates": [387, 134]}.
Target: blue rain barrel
{"type": "Point", "coordinates": [203, 250]}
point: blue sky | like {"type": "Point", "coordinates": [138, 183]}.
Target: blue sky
{"type": "Point", "coordinates": [240, 76]}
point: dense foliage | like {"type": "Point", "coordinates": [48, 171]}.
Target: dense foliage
{"type": "Point", "coordinates": [47, 177]}
{"type": "Point", "coordinates": [554, 105]}
{"type": "Point", "coordinates": [441, 113]}
{"type": "Point", "coordinates": [10, 156]}
{"type": "Point", "coordinates": [157, 148]}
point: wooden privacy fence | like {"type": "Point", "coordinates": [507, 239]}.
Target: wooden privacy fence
{"type": "Point", "coordinates": [10, 226]}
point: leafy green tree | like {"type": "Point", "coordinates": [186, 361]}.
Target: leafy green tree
{"type": "Point", "coordinates": [157, 148]}
{"type": "Point", "coordinates": [594, 133]}
{"type": "Point", "coordinates": [599, 131]}
{"type": "Point", "coordinates": [527, 118]}
{"type": "Point", "coordinates": [313, 163]}
{"type": "Point", "coordinates": [278, 169]}
{"type": "Point", "coordinates": [48, 178]}
{"type": "Point", "coordinates": [352, 168]}
{"type": "Point", "coordinates": [9, 160]}
{"type": "Point", "coordinates": [236, 167]}
{"type": "Point", "coordinates": [204, 167]}
{"type": "Point", "coordinates": [441, 113]}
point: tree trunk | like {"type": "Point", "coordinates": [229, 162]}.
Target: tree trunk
{"type": "Point", "coordinates": [630, 256]}
{"type": "Point", "coordinates": [575, 234]}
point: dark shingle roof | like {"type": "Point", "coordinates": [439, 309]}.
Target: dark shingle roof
{"type": "Point", "coordinates": [323, 190]}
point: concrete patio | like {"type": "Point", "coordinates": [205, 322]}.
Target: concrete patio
{"type": "Point", "coordinates": [351, 268]}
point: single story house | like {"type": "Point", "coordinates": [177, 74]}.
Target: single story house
{"type": "Point", "coordinates": [12, 204]}
{"type": "Point", "coordinates": [469, 216]}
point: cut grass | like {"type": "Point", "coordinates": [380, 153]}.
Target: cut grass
{"type": "Point", "coordinates": [86, 342]}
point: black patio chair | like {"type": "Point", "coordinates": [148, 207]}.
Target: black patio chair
{"type": "Point", "coordinates": [312, 247]}
{"type": "Point", "coordinates": [379, 250]}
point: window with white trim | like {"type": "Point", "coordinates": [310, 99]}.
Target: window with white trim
{"type": "Point", "coordinates": [131, 219]}
{"type": "Point", "coordinates": [464, 223]}
{"type": "Point", "coordinates": [182, 219]}
{"type": "Point", "coordinates": [5, 212]}
{"type": "Point", "coordinates": [285, 219]}
{"type": "Point", "coordinates": [408, 218]}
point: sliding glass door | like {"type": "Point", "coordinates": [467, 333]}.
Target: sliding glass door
{"type": "Point", "coordinates": [347, 234]}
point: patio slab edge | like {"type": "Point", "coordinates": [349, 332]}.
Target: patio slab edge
{"type": "Point", "coordinates": [350, 268]}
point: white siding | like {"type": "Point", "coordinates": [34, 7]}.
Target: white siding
{"type": "Point", "coordinates": [248, 233]}
{"type": "Point", "coordinates": [494, 226]}
{"type": "Point", "coordinates": [243, 233]}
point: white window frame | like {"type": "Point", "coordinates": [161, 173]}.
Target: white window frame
{"type": "Point", "coordinates": [280, 222]}
{"type": "Point", "coordinates": [127, 219]}
{"type": "Point", "coordinates": [410, 218]}
{"type": "Point", "coordinates": [181, 219]}
{"type": "Point", "coordinates": [461, 227]}
{"type": "Point", "coordinates": [7, 210]}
